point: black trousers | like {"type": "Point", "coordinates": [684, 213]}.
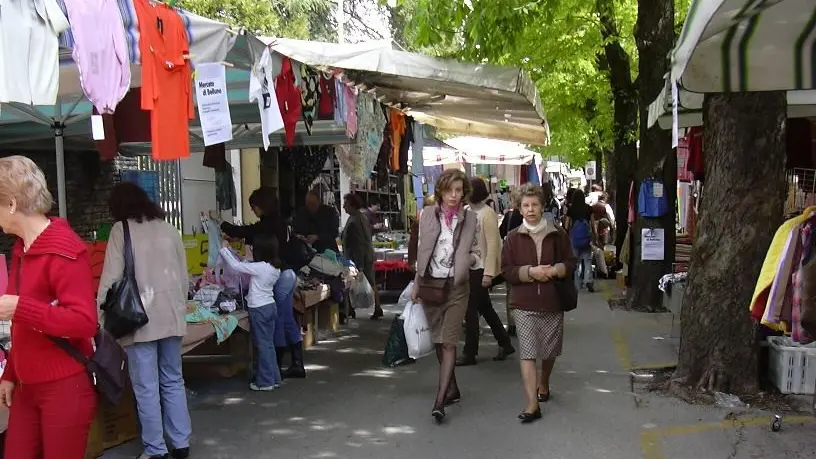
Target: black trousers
{"type": "Point", "coordinates": [479, 304]}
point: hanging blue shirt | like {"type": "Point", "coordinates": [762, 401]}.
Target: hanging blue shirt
{"type": "Point", "coordinates": [652, 202]}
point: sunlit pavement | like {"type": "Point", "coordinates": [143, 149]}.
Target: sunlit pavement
{"type": "Point", "coordinates": [352, 407]}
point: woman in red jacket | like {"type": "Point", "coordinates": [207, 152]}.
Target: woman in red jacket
{"type": "Point", "coordinates": [50, 293]}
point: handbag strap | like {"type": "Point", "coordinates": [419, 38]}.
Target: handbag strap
{"type": "Point", "coordinates": [71, 350]}
{"type": "Point", "coordinates": [127, 252]}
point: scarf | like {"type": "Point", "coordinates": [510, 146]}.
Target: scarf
{"type": "Point", "coordinates": [534, 229]}
{"type": "Point", "coordinates": [449, 213]}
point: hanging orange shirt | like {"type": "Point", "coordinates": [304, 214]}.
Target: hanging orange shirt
{"type": "Point", "coordinates": [166, 78]}
{"type": "Point", "coordinates": [397, 131]}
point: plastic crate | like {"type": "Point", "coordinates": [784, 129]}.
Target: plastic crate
{"type": "Point", "coordinates": [792, 368]}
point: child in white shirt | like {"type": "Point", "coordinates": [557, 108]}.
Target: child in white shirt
{"type": "Point", "coordinates": [263, 312]}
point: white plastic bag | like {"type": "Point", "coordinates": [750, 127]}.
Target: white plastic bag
{"type": "Point", "coordinates": [417, 331]}
{"type": "Point", "coordinates": [362, 295]}
{"type": "Point", "coordinates": [600, 261]}
{"type": "Point", "coordinates": [405, 296]}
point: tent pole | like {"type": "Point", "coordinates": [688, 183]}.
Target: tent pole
{"type": "Point", "coordinates": [59, 145]}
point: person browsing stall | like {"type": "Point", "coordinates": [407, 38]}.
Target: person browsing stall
{"type": "Point", "coordinates": [318, 224]}
{"type": "Point", "coordinates": [263, 311]}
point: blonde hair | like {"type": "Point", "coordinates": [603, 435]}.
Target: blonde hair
{"type": "Point", "coordinates": [24, 182]}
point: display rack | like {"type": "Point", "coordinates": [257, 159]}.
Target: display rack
{"type": "Point", "coordinates": [801, 190]}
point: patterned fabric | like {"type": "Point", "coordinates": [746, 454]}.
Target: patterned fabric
{"type": "Point", "coordinates": [352, 163]}
{"type": "Point", "coordinates": [307, 162]}
{"type": "Point", "coordinates": [224, 325]}
{"type": "Point", "coordinates": [339, 103]}
{"type": "Point", "coordinates": [798, 334]}
{"type": "Point", "coordinates": [309, 88]}
{"type": "Point", "coordinates": [442, 258]}
{"type": "Point", "coordinates": [540, 334]}
{"type": "Point", "coordinates": [370, 128]}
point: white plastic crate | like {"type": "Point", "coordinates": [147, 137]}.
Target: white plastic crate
{"type": "Point", "coordinates": [792, 368]}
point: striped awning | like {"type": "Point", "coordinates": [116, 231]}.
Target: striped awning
{"type": "Point", "coordinates": [747, 45]}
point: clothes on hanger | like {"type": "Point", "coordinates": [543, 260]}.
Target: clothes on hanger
{"type": "Point", "coordinates": [289, 99]}
{"type": "Point", "coordinates": [339, 102]}
{"type": "Point", "coordinates": [327, 98]}
{"type": "Point", "coordinates": [166, 78]}
{"type": "Point", "coordinates": [652, 201]}
{"type": "Point", "coordinates": [128, 124]}
{"type": "Point", "coordinates": [309, 92]}
{"type": "Point", "coordinates": [29, 51]}
{"type": "Point", "coordinates": [100, 51]}
{"type": "Point", "coordinates": [397, 126]}
{"type": "Point", "coordinates": [262, 90]}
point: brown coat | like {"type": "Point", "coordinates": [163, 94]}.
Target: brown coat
{"type": "Point", "coordinates": [465, 232]}
{"type": "Point", "coordinates": [521, 252]}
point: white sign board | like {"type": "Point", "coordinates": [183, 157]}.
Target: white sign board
{"type": "Point", "coordinates": [213, 103]}
{"type": "Point", "coordinates": [652, 244]}
{"type": "Point", "coordinates": [590, 172]}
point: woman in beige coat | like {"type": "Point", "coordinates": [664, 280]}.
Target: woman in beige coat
{"type": "Point", "coordinates": [154, 351]}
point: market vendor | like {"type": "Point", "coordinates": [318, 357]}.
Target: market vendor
{"type": "Point", "coordinates": [318, 224]}
{"type": "Point", "coordinates": [264, 204]}
{"type": "Point", "coordinates": [372, 213]}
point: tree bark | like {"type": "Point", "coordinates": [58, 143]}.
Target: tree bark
{"type": "Point", "coordinates": [654, 34]}
{"type": "Point", "coordinates": [622, 160]}
{"type": "Point", "coordinates": [742, 206]}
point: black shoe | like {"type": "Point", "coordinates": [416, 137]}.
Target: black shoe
{"type": "Point", "coordinates": [527, 418]}
{"type": "Point", "coordinates": [181, 453]}
{"type": "Point", "coordinates": [543, 398]}
{"type": "Point", "coordinates": [453, 398]}
{"type": "Point", "coordinates": [352, 313]}
{"type": "Point", "coordinates": [378, 313]}
{"type": "Point", "coordinates": [511, 330]}
{"type": "Point", "coordinates": [590, 287]}
{"type": "Point", "coordinates": [296, 371]}
{"type": "Point", "coordinates": [280, 352]}
{"type": "Point", "coordinates": [439, 415]}
{"type": "Point", "coordinates": [466, 361]}
{"type": "Point", "coordinates": [160, 456]}
{"type": "Point", "coordinates": [504, 352]}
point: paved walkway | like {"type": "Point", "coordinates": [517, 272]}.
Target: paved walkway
{"type": "Point", "coordinates": [350, 407]}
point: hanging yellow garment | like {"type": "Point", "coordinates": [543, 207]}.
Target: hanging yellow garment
{"type": "Point", "coordinates": [772, 261]}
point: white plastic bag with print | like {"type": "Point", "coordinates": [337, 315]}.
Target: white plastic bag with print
{"type": "Point", "coordinates": [361, 293]}
{"type": "Point", "coordinates": [417, 331]}
{"type": "Point", "coordinates": [405, 296]}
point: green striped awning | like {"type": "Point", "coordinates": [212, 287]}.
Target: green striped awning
{"type": "Point", "coordinates": [747, 45]}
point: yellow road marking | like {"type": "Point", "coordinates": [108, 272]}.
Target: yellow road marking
{"type": "Point", "coordinates": [622, 349]}
{"type": "Point", "coordinates": [651, 440]}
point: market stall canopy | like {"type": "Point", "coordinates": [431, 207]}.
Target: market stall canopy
{"type": "Point", "coordinates": [801, 104]}
{"type": "Point", "coordinates": [747, 45]}
{"type": "Point", "coordinates": [479, 150]}
{"type": "Point", "coordinates": [471, 99]}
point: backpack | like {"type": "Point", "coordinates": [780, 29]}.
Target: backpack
{"type": "Point", "coordinates": [581, 234]}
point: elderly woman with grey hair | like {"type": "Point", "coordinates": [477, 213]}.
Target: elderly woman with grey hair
{"type": "Point", "coordinates": [533, 257]}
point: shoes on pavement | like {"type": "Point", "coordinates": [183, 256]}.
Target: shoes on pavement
{"type": "Point", "coordinates": [438, 414]}
{"type": "Point", "coordinates": [297, 370]}
{"type": "Point", "coordinates": [180, 453]}
{"type": "Point", "coordinates": [258, 388]}
{"type": "Point", "coordinates": [504, 352]}
{"type": "Point", "coordinates": [543, 397]}
{"type": "Point", "coordinates": [378, 313]}
{"type": "Point", "coordinates": [453, 398]}
{"type": "Point", "coordinates": [527, 418]}
{"type": "Point", "coordinates": [160, 456]}
{"type": "Point", "coordinates": [466, 361]}
{"type": "Point", "coordinates": [591, 287]}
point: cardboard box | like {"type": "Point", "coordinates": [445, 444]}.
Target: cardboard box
{"type": "Point", "coordinates": [113, 425]}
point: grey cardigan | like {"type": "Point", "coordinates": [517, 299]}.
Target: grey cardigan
{"type": "Point", "coordinates": [429, 230]}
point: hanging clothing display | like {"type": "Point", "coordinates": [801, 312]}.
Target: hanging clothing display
{"type": "Point", "coordinates": [100, 51]}
{"type": "Point", "coordinates": [262, 90]}
{"type": "Point", "coordinates": [351, 111]}
{"type": "Point", "coordinates": [289, 99]}
{"type": "Point", "coordinates": [225, 189]}
{"type": "Point", "coordinates": [29, 50]}
{"type": "Point", "coordinates": [327, 98]}
{"type": "Point", "coordinates": [417, 160]}
{"type": "Point", "coordinates": [128, 124]}
{"type": "Point", "coordinates": [307, 162]}
{"type": "Point", "coordinates": [405, 144]}
{"type": "Point", "coordinates": [352, 163]}
{"type": "Point", "coordinates": [215, 156]}
{"type": "Point", "coordinates": [398, 127]}
{"type": "Point", "coordinates": [652, 201]}
{"type": "Point", "coordinates": [384, 157]}
{"type": "Point", "coordinates": [694, 138]}
{"type": "Point", "coordinates": [166, 76]}
{"type": "Point", "coordinates": [308, 93]}
{"type": "Point", "coordinates": [371, 126]}
{"type": "Point", "coordinates": [339, 102]}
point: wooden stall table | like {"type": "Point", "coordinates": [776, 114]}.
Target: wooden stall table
{"type": "Point", "coordinates": [200, 345]}
{"type": "Point", "coordinates": [317, 307]}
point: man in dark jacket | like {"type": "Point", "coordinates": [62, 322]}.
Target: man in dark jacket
{"type": "Point", "coordinates": [318, 224]}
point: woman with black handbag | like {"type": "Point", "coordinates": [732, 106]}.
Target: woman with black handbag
{"type": "Point", "coordinates": [537, 260]}
{"type": "Point", "coordinates": [446, 251]}
{"type": "Point", "coordinates": [150, 249]}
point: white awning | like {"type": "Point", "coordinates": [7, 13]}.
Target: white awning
{"type": "Point", "coordinates": [471, 99]}
{"type": "Point", "coordinates": [479, 150]}
{"type": "Point", "coordinates": [747, 45]}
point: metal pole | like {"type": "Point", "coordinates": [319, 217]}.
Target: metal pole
{"type": "Point", "coordinates": [59, 145]}
{"type": "Point", "coordinates": [341, 22]}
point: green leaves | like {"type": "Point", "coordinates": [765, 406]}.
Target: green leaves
{"type": "Point", "coordinates": [283, 18]}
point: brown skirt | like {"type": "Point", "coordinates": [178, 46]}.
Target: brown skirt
{"type": "Point", "coordinates": [446, 319]}
{"type": "Point", "coordinates": [540, 334]}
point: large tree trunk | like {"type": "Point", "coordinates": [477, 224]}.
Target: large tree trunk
{"type": "Point", "coordinates": [742, 206]}
{"type": "Point", "coordinates": [622, 160]}
{"type": "Point", "coordinates": [654, 34]}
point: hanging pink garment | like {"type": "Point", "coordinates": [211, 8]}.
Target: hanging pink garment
{"type": "Point", "coordinates": [350, 95]}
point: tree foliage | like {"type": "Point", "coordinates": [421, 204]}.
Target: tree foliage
{"type": "Point", "coordinates": [558, 42]}
{"type": "Point", "coordinates": [303, 19]}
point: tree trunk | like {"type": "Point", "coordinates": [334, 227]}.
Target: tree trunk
{"type": "Point", "coordinates": [622, 161]}
{"type": "Point", "coordinates": [741, 208]}
{"type": "Point", "coordinates": [654, 34]}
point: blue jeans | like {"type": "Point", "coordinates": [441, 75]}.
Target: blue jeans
{"type": "Point", "coordinates": [155, 372]}
{"type": "Point", "coordinates": [262, 320]}
{"type": "Point", "coordinates": [287, 331]}
{"type": "Point", "coordinates": [583, 271]}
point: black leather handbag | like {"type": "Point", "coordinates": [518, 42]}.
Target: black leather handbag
{"type": "Point", "coordinates": [124, 311]}
{"type": "Point", "coordinates": [564, 288]}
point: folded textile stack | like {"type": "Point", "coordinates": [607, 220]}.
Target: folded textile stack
{"type": "Point", "coordinates": [682, 249]}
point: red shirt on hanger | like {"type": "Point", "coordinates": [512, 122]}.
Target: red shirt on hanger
{"type": "Point", "coordinates": [289, 100]}
{"type": "Point", "coordinates": [166, 78]}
